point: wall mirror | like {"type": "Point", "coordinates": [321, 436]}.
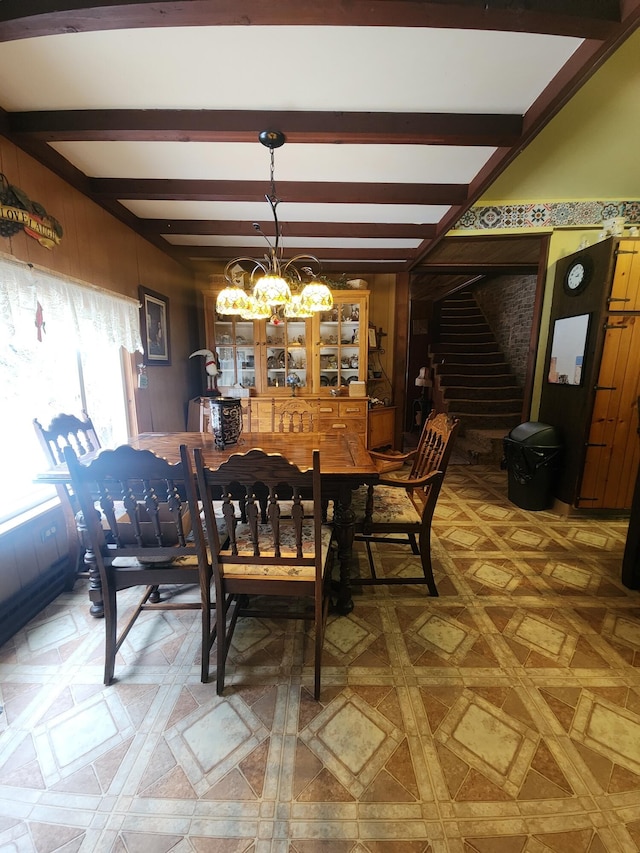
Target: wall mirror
{"type": "Point", "coordinates": [567, 350]}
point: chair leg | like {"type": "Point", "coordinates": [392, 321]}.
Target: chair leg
{"type": "Point", "coordinates": [206, 639]}
{"type": "Point", "coordinates": [224, 633]}
{"type": "Point", "coordinates": [425, 558]}
{"type": "Point", "coordinates": [317, 662]}
{"type": "Point", "coordinates": [321, 613]}
{"type": "Point", "coordinates": [372, 565]}
{"type": "Point", "coordinates": [221, 648]}
{"type": "Point", "coordinates": [110, 631]}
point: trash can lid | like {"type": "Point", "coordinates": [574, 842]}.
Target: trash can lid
{"type": "Point", "coordinates": [535, 433]}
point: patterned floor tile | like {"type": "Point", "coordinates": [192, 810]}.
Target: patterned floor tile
{"type": "Point", "coordinates": [502, 716]}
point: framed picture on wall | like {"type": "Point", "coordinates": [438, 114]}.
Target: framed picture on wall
{"type": "Point", "coordinates": [154, 327]}
{"type": "Point", "coordinates": [568, 347]}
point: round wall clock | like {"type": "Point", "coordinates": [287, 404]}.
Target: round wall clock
{"type": "Point", "coordinates": [578, 275]}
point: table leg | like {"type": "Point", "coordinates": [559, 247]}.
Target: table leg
{"type": "Point", "coordinates": [73, 542]}
{"type": "Point", "coordinates": [344, 524]}
{"type": "Point", "coordinates": [95, 584]}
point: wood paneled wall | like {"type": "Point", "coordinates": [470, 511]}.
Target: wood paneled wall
{"type": "Point", "coordinates": [98, 249]}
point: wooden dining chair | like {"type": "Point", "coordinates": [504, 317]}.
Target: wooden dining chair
{"type": "Point", "coordinates": [148, 535]}
{"type": "Point", "coordinates": [80, 434]}
{"type": "Point", "coordinates": [294, 415]}
{"type": "Point", "coordinates": [283, 556]}
{"type": "Point", "coordinates": [399, 509]}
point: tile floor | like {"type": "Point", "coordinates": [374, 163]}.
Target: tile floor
{"type": "Point", "coordinates": [502, 717]}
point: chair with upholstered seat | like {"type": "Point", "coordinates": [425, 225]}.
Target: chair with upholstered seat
{"type": "Point", "coordinates": [155, 537]}
{"type": "Point", "coordinates": [282, 556]}
{"type": "Point", "coordinates": [399, 509]}
{"type": "Point", "coordinates": [79, 433]}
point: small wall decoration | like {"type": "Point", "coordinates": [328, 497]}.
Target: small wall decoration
{"type": "Point", "coordinates": [19, 213]}
{"type": "Point", "coordinates": [154, 327]}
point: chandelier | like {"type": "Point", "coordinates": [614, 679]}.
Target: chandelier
{"type": "Point", "coordinates": [274, 282]}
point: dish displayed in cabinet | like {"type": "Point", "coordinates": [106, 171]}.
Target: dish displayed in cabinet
{"type": "Point", "coordinates": [279, 360]}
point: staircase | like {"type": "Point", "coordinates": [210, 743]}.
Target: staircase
{"type": "Point", "coordinates": [472, 380]}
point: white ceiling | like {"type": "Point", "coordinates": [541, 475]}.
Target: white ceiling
{"type": "Point", "coordinates": [393, 118]}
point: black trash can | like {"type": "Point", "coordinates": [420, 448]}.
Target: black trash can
{"type": "Point", "coordinates": [532, 458]}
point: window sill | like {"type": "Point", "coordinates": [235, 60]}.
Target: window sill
{"type": "Point", "coordinates": [28, 515]}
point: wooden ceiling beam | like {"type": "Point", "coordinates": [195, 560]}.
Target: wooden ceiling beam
{"type": "Point", "coordinates": [365, 230]}
{"type": "Point", "coordinates": [335, 255]}
{"type": "Point", "coordinates": [590, 19]}
{"type": "Point", "coordinates": [384, 128]}
{"type": "Point", "coordinates": [326, 192]}
{"type": "Point", "coordinates": [497, 267]}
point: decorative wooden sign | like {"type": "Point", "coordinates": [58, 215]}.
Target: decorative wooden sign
{"type": "Point", "coordinates": [18, 212]}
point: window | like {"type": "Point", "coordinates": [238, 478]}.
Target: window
{"type": "Point", "coordinates": [76, 364]}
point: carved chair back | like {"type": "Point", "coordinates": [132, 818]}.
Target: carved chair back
{"type": "Point", "coordinates": [67, 431]}
{"type": "Point", "coordinates": [293, 415]}
{"type": "Point", "coordinates": [399, 509]}
{"type": "Point", "coordinates": [146, 532]}
{"type": "Point", "coordinates": [282, 549]}
{"type": "Point", "coordinates": [78, 433]}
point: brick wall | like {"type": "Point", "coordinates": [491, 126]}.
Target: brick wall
{"type": "Point", "coordinates": [507, 303]}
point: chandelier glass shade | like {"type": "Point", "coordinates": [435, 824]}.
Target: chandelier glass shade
{"type": "Point", "coordinates": [232, 300]}
{"type": "Point", "coordinates": [254, 311]}
{"type": "Point", "coordinates": [316, 296]}
{"type": "Point", "coordinates": [274, 282]}
{"type": "Point", "coordinates": [272, 289]}
{"type": "Point", "coordinates": [295, 310]}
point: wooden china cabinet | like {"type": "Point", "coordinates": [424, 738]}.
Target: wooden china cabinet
{"type": "Point", "coordinates": [319, 354]}
{"type": "Point", "coordinates": [325, 351]}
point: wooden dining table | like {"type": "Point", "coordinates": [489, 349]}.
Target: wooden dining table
{"type": "Point", "coordinates": [345, 464]}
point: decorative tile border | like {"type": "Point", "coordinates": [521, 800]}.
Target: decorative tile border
{"type": "Point", "coordinates": [550, 215]}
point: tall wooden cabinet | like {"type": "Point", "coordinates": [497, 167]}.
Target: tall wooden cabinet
{"type": "Point", "coordinates": [323, 352]}
{"type": "Point", "coordinates": [595, 404]}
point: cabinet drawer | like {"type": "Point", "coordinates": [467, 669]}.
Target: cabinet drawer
{"type": "Point", "coordinates": [343, 425]}
{"type": "Point", "coordinates": [352, 408]}
{"type": "Point", "coordinates": [328, 408]}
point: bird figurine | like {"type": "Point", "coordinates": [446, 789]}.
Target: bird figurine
{"type": "Point", "coordinates": [212, 368]}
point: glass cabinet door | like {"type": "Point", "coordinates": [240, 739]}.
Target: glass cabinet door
{"type": "Point", "coordinates": [286, 353]}
{"type": "Point", "coordinates": [340, 342]}
{"type": "Point", "coordinates": [235, 345]}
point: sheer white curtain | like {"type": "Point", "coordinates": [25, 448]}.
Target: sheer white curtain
{"type": "Point", "coordinates": [60, 350]}
{"type": "Point", "coordinates": [88, 313]}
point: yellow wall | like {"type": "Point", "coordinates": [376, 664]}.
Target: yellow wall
{"type": "Point", "coordinates": [588, 152]}
{"type": "Point", "coordinates": [590, 149]}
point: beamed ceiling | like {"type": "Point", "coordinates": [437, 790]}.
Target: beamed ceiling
{"type": "Point", "coordinates": [397, 116]}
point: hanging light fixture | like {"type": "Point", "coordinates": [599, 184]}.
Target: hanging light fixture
{"type": "Point", "coordinates": [274, 282]}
